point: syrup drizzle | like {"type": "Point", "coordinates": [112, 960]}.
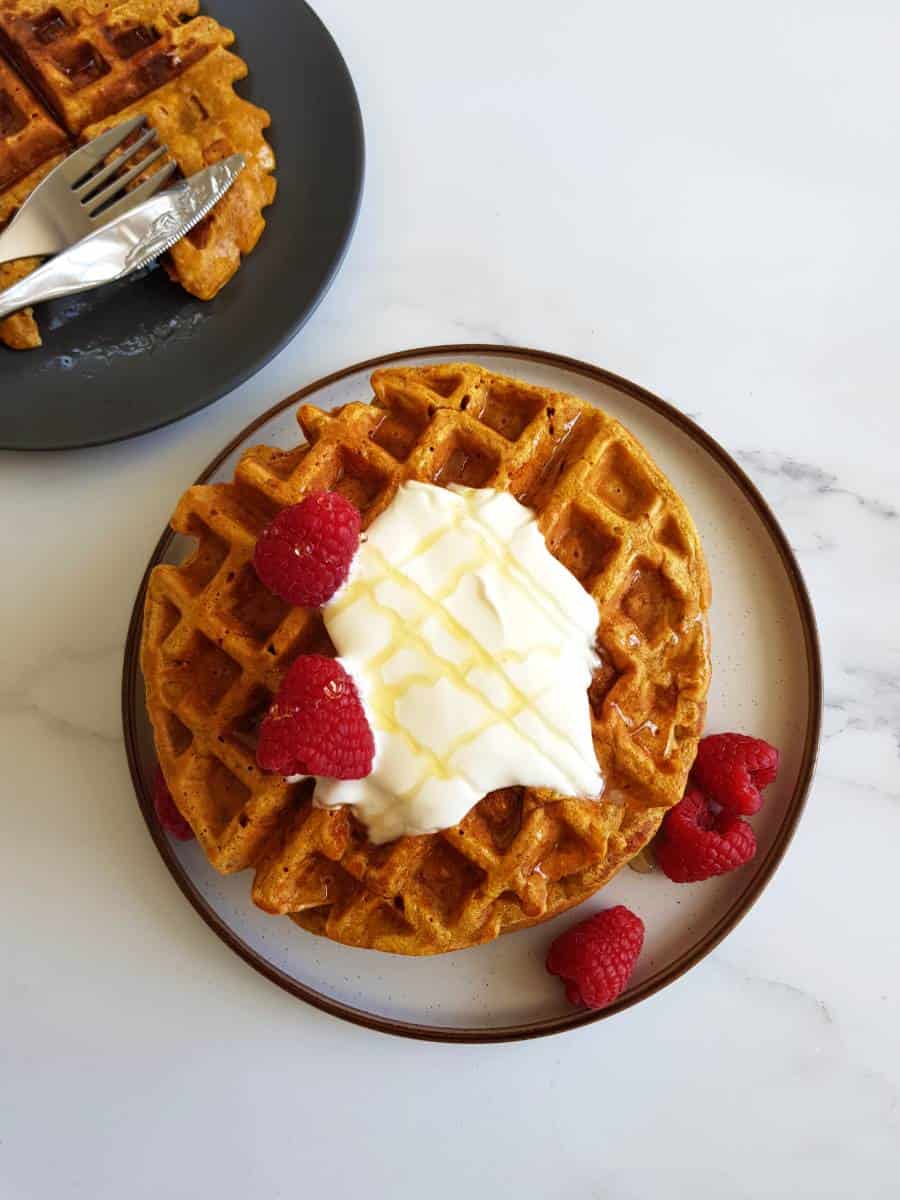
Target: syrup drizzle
{"type": "Point", "coordinates": [383, 697]}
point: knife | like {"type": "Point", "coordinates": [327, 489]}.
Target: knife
{"type": "Point", "coordinates": [127, 243]}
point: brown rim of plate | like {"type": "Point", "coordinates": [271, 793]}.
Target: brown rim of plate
{"type": "Point", "coordinates": [663, 977]}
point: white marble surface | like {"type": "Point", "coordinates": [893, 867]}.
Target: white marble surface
{"type": "Point", "coordinates": [701, 197]}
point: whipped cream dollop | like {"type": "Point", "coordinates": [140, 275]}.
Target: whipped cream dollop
{"type": "Point", "coordinates": [473, 649]}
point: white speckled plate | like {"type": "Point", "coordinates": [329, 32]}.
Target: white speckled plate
{"type": "Point", "coordinates": [766, 681]}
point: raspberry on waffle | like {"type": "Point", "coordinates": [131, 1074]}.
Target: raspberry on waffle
{"type": "Point", "coordinates": [217, 644]}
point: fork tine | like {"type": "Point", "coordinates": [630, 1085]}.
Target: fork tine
{"type": "Point", "coordinates": [95, 203]}
{"type": "Point", "coordinates": [83, 161]}
{"type": "Point", "coordinates": [93, 182]}
{"type": "Point", "coordinates": [147, 189]}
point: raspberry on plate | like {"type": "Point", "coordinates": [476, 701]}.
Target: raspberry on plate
{"type": "Point", "coordinates": [316, 725]}
{"type": "Point", "coordinates": [732, 769]}
{"type": "Point", "coordinates": [167, 810]}
{"type": "Point", "coordinates": [304, 554]}
{"type": "Point", "coordinates": [595, 958]}
{"type": "Point", "coordinates": [696, 843]}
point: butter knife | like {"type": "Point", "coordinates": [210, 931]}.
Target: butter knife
{"type": "Point", "coordinates": [127, 243]}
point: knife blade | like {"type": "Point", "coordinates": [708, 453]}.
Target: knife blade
{"type": "Point", "coordinates": [128, 243]}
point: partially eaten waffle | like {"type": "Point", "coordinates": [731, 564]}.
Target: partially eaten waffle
{"type": "Point", "coordinates": [96, 62]}
{"type": "Point", "coordinates": [216, 645]}
{"type": "Point", "coordinates": [31, 145]}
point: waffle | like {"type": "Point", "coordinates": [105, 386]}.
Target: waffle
{"type": "Point", "coordinates": [28, 135]}
{"type": "Point", "coordinates": [201, 119]}
{"type": "Point", "coordinates": [216, 645]}
{"type": "Point", "coordinates": [98, 62]}
{"type": "Point", "coordinates": [92, 59]}
{"type": "Point", "coordinates": [31, 144]}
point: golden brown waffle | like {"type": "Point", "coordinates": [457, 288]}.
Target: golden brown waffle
{"type": "Point", "coordinates": [28, 135]}
{"type": "Point", "coordinates": [98, 62]}
{"type": "Point", "coordinates": [201, 119]}
{"type": "Point", "coordinates": [31, 144]}
{"type": "Point", "coordinates": [91, 58]}
{"type": "Point", "coordinates": [216, 645]}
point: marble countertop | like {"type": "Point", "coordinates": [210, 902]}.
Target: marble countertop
{"type": "Point", "coordinates": [703, 199]}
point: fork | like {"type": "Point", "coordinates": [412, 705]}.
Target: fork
{"type": "Point", "coordinates": [76, 198]}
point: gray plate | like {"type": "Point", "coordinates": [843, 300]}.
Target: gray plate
{"type": "Point", "coordinates": [136, 355]}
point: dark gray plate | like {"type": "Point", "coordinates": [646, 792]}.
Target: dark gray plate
{"type": "Point", "coordinates": [136, 355]}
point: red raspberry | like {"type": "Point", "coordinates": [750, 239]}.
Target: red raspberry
{"type": "Point", "coordinates": [596, 957]}
{"type": "Point", "coordinates": [304, 554]}
{"type": "Point", "coordinates": [731, 768]}
{"type": "Point", "coordinates": [317, 725]}
{"type": "Point", "coordinates": [167, 810]}
{"type": "Point", "coordinates": [696, 843]}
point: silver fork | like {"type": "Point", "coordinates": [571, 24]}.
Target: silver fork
{"type": "Point", "coordinates": [76, 198]}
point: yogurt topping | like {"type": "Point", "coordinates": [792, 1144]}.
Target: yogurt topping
{"type": "Point", "coordinates": [473, 649]}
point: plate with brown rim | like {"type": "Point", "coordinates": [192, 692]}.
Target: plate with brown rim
{"type": "Point", "coordinates": [767, 681]}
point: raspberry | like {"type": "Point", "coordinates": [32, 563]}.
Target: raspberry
{"type": "Point", "coordinates": [304, 554]}
{"type": "Point", "coordinates": [731, 768]}
{"type": "Point", "coordinates": [167, 810]}
{"type": "Point", "coordinates": [596, 957]}
{"type": "Point", "coordinates": [696, 843]}
{"type": "Point", "coordinates": [316, 725]}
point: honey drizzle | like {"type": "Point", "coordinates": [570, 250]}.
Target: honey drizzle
{"type": "Point", "coordinates": [384, 697]}
{"type": "Point", "coordinates": [510, 568]}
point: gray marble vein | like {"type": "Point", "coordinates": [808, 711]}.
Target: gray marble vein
{"type": "Point", "coordinates": [812, 480]}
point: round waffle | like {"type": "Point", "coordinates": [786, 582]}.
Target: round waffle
{"type": "Point", "coordinates": [216, 645]}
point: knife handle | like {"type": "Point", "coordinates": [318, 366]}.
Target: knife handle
{"type": "Point", "coordinates": [61, 276]}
